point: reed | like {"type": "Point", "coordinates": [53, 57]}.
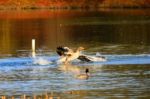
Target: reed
{"type": "Point", "coordinates": [12, 97]}
{"type": "Point", "coordinates": [3, 97]}
{"type": "Point", "coordinates": [24, 96]}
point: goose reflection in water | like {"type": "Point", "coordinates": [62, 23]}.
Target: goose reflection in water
{"type": "Point", "coordinates": [70, 68]}
{"type": "Point", "coordinates": [76, 71]}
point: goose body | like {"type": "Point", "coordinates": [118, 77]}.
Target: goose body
{"type": "Point", "coordinates": [66, 55]}
{"type": "Point", "coordinates": [68, 58]}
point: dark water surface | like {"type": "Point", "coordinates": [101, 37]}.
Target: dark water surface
{"type": "Point", "coordinates": [120, 35]}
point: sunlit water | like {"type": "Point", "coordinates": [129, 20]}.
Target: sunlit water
{"type": "Point", "coordinates": [123, 39]}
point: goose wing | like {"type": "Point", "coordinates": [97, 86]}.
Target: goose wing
{"type": "Point", "coordinates": [84, 58]}
{"type": "Point", "coordinates": [63, 51]}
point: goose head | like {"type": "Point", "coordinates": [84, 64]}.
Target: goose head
{"type": "Point", "coordinates": [80, 49]}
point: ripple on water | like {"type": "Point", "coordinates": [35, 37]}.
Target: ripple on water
{"type": "Point", "coordinates": [21, 75]}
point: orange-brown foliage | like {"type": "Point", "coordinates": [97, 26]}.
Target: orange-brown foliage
{"type": "Point", "coordinates": [77, 3]}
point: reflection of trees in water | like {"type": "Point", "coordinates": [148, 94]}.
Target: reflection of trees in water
{"type": "Point", "coordinates": [50, 35]}
{"type": "Point", "coordinates": [132, 34]}
{"type": "Point", "coordinates": [5, 38]}
{"type": "Point", "coordinates": [68, 29]}
{"type": "Point", "coordinates": [121, 34]}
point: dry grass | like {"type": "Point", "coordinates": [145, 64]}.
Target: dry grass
{"type": "Point", "coordinates": [24, 96]}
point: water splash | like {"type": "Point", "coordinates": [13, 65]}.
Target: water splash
{"type": "Point", "coordinates": [41, 61]}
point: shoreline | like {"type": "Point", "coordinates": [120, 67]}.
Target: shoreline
{"type": "Point", "coordinates": [52, 13]}
{"type": "Point", "coordinates": [70, 7]}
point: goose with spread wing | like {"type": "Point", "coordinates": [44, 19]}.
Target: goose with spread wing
{"type": "Point", "coordinates": [66, 55]}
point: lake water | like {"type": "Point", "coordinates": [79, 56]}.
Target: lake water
{"type": "Point", "coordinates": [122, 36]}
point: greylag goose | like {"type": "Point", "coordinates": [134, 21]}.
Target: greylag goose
{"type": "Point", "coordinates": [68, 55]}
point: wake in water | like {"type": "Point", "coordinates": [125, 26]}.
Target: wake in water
{"type": "Point", "coordinates": [52, 60]}
{"type": "Point", "coordinates": [83, 58]}
{"type": "Point", "coordinates": [41, 61]}
{"type": "Point", "coordinates": [111, 60]}
{"type": "Point", "coordinates": [40, 74]}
